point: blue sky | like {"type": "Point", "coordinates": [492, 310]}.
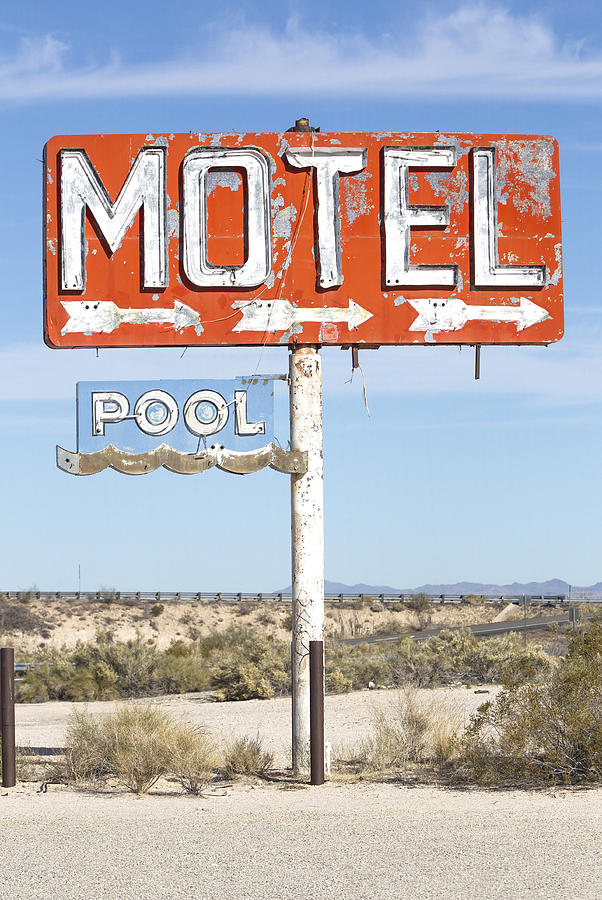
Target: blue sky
{"type": "Point", "coordinates": [448, 478]}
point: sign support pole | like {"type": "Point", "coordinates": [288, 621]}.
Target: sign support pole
{"type": "Point", "coordinates": [7, 714]}
{"type": "Point", "coordinates": [307, 539]}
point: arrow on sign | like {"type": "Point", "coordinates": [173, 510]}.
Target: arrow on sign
{"type": "Point", "coordinates": [281, 315]}
{"type": "Point", "coordinates": [104, 316]}
{"type": "Point", "coordinates": [452, 314]}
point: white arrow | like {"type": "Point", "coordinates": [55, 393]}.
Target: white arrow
{"type": "Point", "coordinates": [452, 314]}
{"type": "Point", "coordinates": [104, 316]}
{"type": "Point", "coordinates": [280, 315]}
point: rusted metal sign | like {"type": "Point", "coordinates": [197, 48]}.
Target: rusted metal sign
{"type": "Point", "coordinates": [135, 427]}
{"type": "Point", "coordinates": [188, 415]}
{"type": "Point", "coordinates": [242, 239]}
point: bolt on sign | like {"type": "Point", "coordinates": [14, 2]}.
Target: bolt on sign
{"type": "Point", "coordinates": [243, 239]}
{"type": "Point", "coordinates": [188, 415]}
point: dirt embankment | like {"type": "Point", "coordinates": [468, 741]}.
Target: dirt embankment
{"type": "Point", "coordinates": [31, 624]}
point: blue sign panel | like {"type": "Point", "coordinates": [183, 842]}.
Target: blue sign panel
{"type": "Point", "coordinates": [137, 416]}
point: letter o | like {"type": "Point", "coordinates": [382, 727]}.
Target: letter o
{"type": "Point", "coordinates": [210, 426]}
{"type": "Point", "coordinates": [143, 405]}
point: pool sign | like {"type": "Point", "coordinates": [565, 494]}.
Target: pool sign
{"type": "Point", "coordinates": [188, 416]}
{"type": "Point", "coordinates": [243, 239]}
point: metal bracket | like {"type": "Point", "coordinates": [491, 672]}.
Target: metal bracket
{"type": "Point", "coordinates": [290, 462]}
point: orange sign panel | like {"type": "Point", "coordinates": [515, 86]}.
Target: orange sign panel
{"type": "Point", "coordinates": [242, 239]}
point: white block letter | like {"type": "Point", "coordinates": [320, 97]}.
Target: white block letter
{"type": "Point", "coordinates": [258, 264]}
{"type": "Point", "coordinates": [108, 407]}
{"type": "Point", "coordinates": [487, 271]}
{"type": "Point", "coordinates": [242, 425]}
{"type": "Point", "coordinates": [212, 415]}
{"type": "Point", "coordinates": [400, 217]}
{"type": "Point", "coordinates": [328, 163]}
{"type": "Point", "coordinates": [81, 188]}
{"type": "Point", "coordinates": [156, 412]}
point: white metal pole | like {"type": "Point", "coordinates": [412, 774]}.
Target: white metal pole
{"type": "Point", "coordinates": [307, 536]}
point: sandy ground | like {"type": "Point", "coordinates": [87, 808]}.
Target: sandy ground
{"type": "Point", "coordinates": [339, 841]}
{"type": "Point", "coordinates": [371, 842]}
{"type": "Point", "coordinates": [348, 717]}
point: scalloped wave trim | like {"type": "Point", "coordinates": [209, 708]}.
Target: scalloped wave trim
{"type": "Point", "coordinates": [290, 462]}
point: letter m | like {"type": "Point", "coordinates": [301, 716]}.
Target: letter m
{"type": "Point", "coordinates": [82, 189]}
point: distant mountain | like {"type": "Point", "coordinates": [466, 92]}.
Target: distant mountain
{"type": "Point", "coordinates": [337, 587]}
{"type": "Point", "coordinates": [553, 586]}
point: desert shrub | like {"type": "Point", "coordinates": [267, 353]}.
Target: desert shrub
{"type": "Point", "coordinates": [239, 663]}
{"type": "Point", "coordinates": [358, 664]}
{"type": "Point", "coordinates": [193, 757]}
{"type": "Point", "coordinates": [244, 608]}
{"type": "Point", "coordinates": [181, 674]}
{"type": "Point", "coordinates": [16, 616]}
{"type": "Point", "coordinates": [550, 732]}
{"type": "Point", "coordinates": [134, 663]}
{"type": "Point", "coordinates": [451, 656]}
{"type": "Point", "coordinates": [266, 617]}
{"type": "Point", "coordinates": [247, 756]}
{"type": "Point", "coordinates": [136, 745]}
{"type": "Point", "coordinates": [55, 678]}
{"type": "Point", "coordinates": [86, 751]}
{"type": "Point", "coordinates": [420, 603]}
{"type": "Point", "coordinates": [246, 665]}
{"type": "Point", "coordinates": [337, 683]}
{"type": "Point", "coordinates": [408, 733]}
{"type": "Point", "coordinates": [157, 609]}
{"type": "Point", "coordinates": [460, 656]}
{"type": "Point", "coordinates": [587, 643]}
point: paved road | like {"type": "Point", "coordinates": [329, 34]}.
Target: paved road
{"type": "Point", "coordinates": [480, 630]}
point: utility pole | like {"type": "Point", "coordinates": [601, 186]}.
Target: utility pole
{"type": "Point", "coordinates": [307, 536]}
{"type": "Point", "coordinates": [307, 554]}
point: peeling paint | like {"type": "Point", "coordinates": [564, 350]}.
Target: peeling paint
{"type": "Point", "coordinates": [556, 275]}
{"type": "Point", "coordinates": [283, 221]}
{"type": "Point", "coordinates": [223, 178]}
{"type": "Point", "coordinates": [173, 223]}
{"type": "Point", "coordinates": [355, 196]}
{"type": "Point", "coordinates": [452, 187]}
{"type": "Point", "coordinates": [518, 225]}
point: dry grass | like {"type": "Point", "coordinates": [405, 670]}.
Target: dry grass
{"type": "Point", "coordinates": [247, 756]}
{"type": "Point", "coordinates": [137, 745]}
{"type": "Point", "coordinates": [404, 735]}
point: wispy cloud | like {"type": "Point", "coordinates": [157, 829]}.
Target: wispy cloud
{"type": "Point", "coordinates": [479, 50]}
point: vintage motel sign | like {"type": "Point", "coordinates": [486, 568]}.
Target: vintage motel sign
{"type": "Point", "coordinates": [189, 415]}
{"type": "Point", "coordinates": [308, 238]}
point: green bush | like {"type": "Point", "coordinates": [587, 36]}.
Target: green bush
{"type": "Point", "coordinates": [420, 603]}
{"type": "Point", "coordinates": [337, 682]}
{"type": "Point", "coordinates": [550, 732]}
{"type": "Point", "coordinates": [245, 665]}
{"type": "Point", "coordinates": [451, 656]}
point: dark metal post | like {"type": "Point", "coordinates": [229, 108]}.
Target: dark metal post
{"type": "Point", "coordinates": [477, 361]}
{"type": "Point", "coordinates": [316, 711]}
{"type": "Point", "coordinates": [7, 706]}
